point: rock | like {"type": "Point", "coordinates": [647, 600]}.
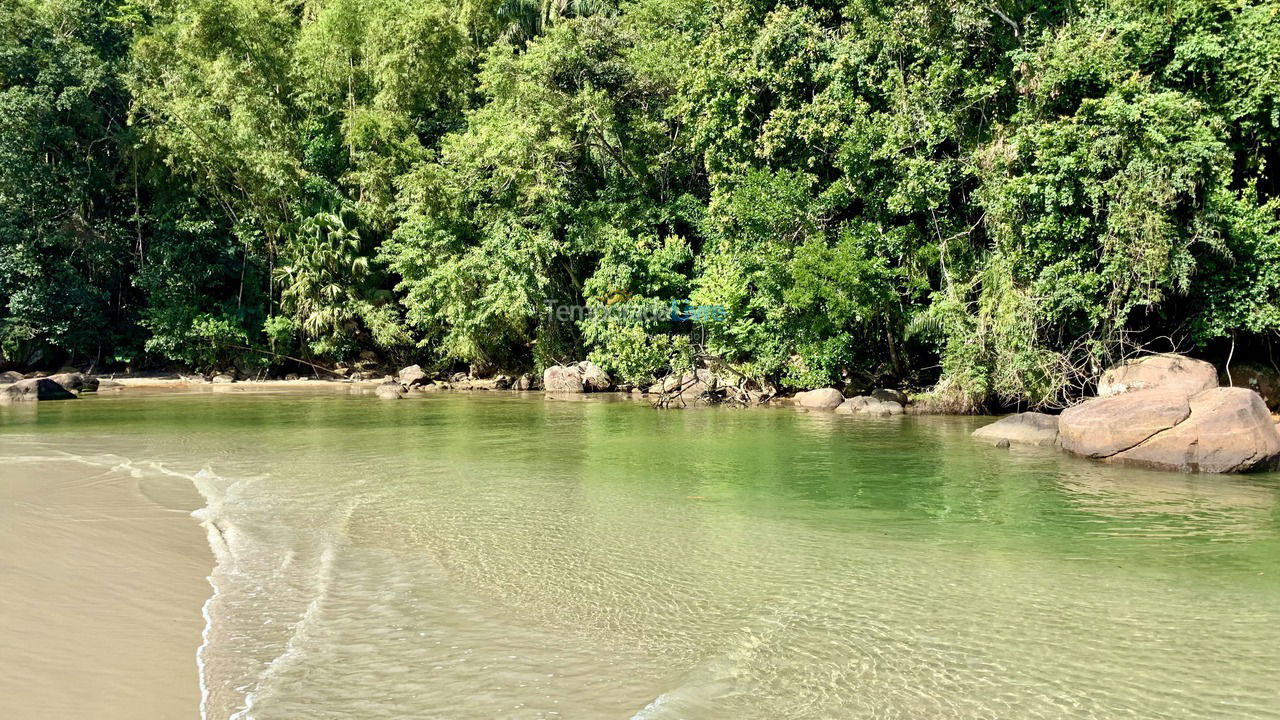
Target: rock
{"type": "Point", "coordinates": [1028, 428]}
{"type": "Point", "coordinates": [33, 389]}
{"type": "Point", "coordinates": [1167, 372]}
{"type": "Point", "coordinates": [502, 382]}
{"type": "Point", "coordinates": [1102, 427]}
{"type": "Point", "coordinates": [76, 382]}
{"type": "Point", "coordinates": [292, 376]}
{"type": "Point", "coordinates": [637, 393]}
{"type": "Point", "coordinates": [459, 377]}
{"type": "Point", "coordinates": [1229, 430]}
{"type": "Point", "coordinates": [224, 378]}
{"type": "Point", "coordinates": [388, 391]}
{"type": "Point", "coordinates": [666, 384]}
{"type": "Point", "coordinates": [10, 376]}
{"type": "Point", "coordinates": [821, 399]}
{"type": "Point", "coordinates": [868, 405]}
{"type": "Point", "coordinates": [885, 408]}
{"type": "Point", "coordinates": [431, 387]}
{"type": "Point", "coordinates": [563, 379]}
{"type": "Point", "coordinates": [894, 396]}
{"type": "Point", "coordinates": [524, 382]}
{"type": "Point", "coordinates": [1262, 379]}
{"type": "Point", "coordinates": [412, 375]}
{"type": "Point", "coordinates": [593, 378]}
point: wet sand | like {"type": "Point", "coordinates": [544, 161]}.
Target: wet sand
{"type": "Point", "coordinates": [103, 578]}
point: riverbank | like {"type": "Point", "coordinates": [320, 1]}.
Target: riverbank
{"type": "Point", "coordinates": [104, 575]}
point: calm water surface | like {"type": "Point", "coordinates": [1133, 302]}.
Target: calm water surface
{"type": "Point", "coordinates": [489, 555]}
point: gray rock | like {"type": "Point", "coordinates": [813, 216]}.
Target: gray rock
{"type": "Point", "coordinates": [524, 382]}
{"type": "Point", "coordinates": [223, 378]}
{"type": "Point", "coordinates": [33, 389]}
{"type": "Point", "coordinates": [10, 376]}
{"type": "Point", "coordinates": [868, 405]}
{"type": "Point", "coordinates": [76, 382]}
{"type": "Point", "coordinates": [1028, 428]}
{"type": "Point", "coordinates": [389, 391]}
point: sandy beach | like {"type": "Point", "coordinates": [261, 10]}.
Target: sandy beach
{"type": "Point", "coordinates": [104, 576]}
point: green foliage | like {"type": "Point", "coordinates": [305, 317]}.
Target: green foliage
{"type": "Point", "coordinates": [992, 200]}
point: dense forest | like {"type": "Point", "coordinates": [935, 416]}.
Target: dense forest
{"type": "Point", "coordinates": [996, 198]}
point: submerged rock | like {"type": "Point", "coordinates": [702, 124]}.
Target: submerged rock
{"type": "Point", "coordinates": [1028, 428]}
{"type": "Point", "coordinates": [820, 399]}
{"type": "Point", "coordinates": [1176, 373]}
{"type": "Point", "coordinates": [1229, 430]}
{"type": "Point", "coordinates": [389, 391]}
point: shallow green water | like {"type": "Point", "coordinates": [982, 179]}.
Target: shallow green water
{"type": "Point", "coordinates": [489, 555]}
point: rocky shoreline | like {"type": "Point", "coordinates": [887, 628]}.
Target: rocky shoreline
{"type": "Point", "coordinates": [1165, 412]}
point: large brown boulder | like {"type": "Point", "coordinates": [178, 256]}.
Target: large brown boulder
{"type": "Point", "coordinates": [820, 399]}
{"type": "Point", "coordinates": [1229, 430]}
{"type": "Point", "coordinates": [1166, 372]}
{"type": "Point", "coordinates": [563, 379]}
{"type": "Point", "coordinates": [1028, 428]}
{"type": "Point", "coordinates": [1103, 427]}
{"type": "Point", "coordinates": [10, 376]}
